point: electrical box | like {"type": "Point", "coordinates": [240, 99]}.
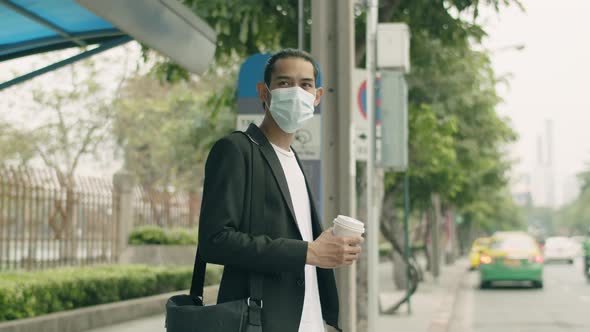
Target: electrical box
{"type": "Point", "coordinates": [394, 120]}
{"type": "Point", "coordinates": [393, 46]}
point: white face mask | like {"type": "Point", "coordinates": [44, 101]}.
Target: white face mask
{"type": "Point", "coordinates": [291, 108]}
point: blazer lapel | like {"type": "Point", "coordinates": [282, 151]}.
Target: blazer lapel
{"type": "Point", "coordinates": [271, 158]}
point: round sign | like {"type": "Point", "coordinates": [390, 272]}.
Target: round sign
{"type": "Point", "coordinates": [362, 99]}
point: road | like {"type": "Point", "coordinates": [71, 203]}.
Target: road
{"type": "Point", "coordinates": [563, 304]}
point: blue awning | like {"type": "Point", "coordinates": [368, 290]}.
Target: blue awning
{"type": "Point", "coordinates": [34, 26]}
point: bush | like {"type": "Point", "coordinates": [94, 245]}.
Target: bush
{"type": "Point", "coordinates": [29, 294]}
{"type": "Point", "coordinates": [159, 235]}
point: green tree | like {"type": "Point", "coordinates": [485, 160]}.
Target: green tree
{"type": "Point", "coordinates": [574, 217]}
{"type": "Point", "coordinates": [166, 130]}
{"type": "Point", "coordinates": [15, 147]}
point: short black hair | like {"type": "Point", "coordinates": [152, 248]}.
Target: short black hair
{"type": "Point", "coordinates": [288, 53]}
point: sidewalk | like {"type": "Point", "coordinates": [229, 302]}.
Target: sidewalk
{"type": "Point", "coordinates": [432, 304]}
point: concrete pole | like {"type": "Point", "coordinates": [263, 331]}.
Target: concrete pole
{"type": "Point", "coordinates": [300, 26]}
{"type": "Point", "coordinates": [332, 45]}
{"type": "Point", "coordinates": [372, 212]}
{"type": "Point", "coordinates": [123, 184]}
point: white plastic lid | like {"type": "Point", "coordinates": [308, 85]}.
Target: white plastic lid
{"type": "Point", "coordinates": [356, 230]}
{"type": "Point", "coordinates": [350, 223]}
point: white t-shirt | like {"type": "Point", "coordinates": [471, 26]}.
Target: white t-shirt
{"type": "Point", "coordinates": [311, 318]}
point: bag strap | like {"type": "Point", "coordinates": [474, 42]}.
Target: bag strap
{"type": "Point", "coordinates": [256, 212]}
{"type": "Point", "coordinates": [255, 226]}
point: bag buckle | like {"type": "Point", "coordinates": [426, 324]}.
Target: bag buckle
{"type": "Point", "coordinates": [248, 301]}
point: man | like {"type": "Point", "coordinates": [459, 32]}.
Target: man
{"type": "Point", "coordinates": [294, 255]}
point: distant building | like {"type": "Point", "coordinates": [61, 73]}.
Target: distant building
{"type": "Point", "coordinates": [543, 176]}
{"type": "Point", "coordinates": [521, 189]}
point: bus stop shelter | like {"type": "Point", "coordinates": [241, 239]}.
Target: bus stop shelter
{"type": "Point", "coordinates": [30, 27]}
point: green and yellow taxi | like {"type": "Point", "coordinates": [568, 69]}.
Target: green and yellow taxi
{"type": "Point", "coordinates": [479, 246]}
{"type": "Point", "coordinates": [511, 256]}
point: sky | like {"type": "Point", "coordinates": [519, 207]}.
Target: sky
{"type": "Point", "coordinates": [550, 79]}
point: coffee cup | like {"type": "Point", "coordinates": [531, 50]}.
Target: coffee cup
{"type": "Point", "coordinates": [348, 227]}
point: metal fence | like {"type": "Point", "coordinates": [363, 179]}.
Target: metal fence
{"type": "Point", "coordinates": [44, 223]}
{"type": "Point", "coordinates": [166, 209]}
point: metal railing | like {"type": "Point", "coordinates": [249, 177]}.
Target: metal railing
{"type": "Point", "coordinates": [45, 222]}
{"type": "Point", "coordinates": [166, 209]}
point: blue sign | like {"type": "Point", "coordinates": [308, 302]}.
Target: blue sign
{"type": "Point", "coordinates": [251, 72]}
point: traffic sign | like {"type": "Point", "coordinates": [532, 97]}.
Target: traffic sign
{"type": "Point", "coordinates": [360, 122]}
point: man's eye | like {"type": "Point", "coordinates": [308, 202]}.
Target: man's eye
{"type": "Point", "coordinates": [307, 85]}
{"type": "Point", "coordinates": [283, 83]}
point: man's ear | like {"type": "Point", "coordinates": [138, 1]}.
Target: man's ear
{"type": "Point", "coordinates": [262, 94]}
{"type": "Point", "coordinates": [319, 92]}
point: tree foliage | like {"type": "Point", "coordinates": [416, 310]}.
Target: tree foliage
{"type": "Point", "coordinates": [574, 218]}
{"type": "Point", "coordinates": [457, 147]}
{"type": "Point", "coordinates": [69, 122]}
{"type": "Point", "coordinates": [15, 147]}
{"type": "Point", "coordinates": [165, 130]}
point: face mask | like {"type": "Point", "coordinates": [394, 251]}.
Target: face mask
{"type": "Point", "coordinates": [291, 108]}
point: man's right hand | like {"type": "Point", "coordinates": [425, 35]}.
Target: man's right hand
{"type": "Point", "coordinates": [329, 251]}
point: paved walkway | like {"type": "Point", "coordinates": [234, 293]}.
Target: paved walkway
{"type": "Point", "coordinates": [431, 305]}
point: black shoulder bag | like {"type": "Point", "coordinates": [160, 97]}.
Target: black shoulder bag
{"type": "Point", "coordinates": [186, 313]}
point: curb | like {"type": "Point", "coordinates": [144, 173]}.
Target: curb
{"type": "Point", "coordinates": [442, 318]}
{"type": "Point", "coordinates": [102, 315]}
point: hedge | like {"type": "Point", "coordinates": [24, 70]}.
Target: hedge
{"type": "Point", "coordinates": [159, 235]}
{"type": "Point", "coordinates": [29, 294]}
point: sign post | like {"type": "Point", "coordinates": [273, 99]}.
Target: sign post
{"type": "Point", "coordinates": [393, 58]}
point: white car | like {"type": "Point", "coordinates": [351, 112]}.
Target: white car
{"type": "Point", "coordinates": [560, 248]}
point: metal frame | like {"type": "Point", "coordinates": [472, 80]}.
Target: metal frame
{"type": "Point", "coordinates": [21, 49]}
{"type": "Point", "coordinates": [75, 58]}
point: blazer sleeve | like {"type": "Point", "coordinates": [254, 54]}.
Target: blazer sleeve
{"type": "Point", "coordinates": [220, 239]}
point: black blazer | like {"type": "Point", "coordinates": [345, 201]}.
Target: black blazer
{"type": "Point", "coordinates": [279, 253]}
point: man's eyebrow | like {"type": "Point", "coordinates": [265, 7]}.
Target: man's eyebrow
{"type": "Point", "coordinates": [283, 77]}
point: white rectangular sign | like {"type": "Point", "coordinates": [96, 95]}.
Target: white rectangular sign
{"type": "Point", "coordinates": [359, 118]}
{"type": "Point", "coordinates": [307, 142]}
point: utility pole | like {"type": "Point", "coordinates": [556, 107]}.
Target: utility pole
{"type": "Point", "coordinates": [332, 45]}
{"type": "Point", "coordinates": [372, 213]}
{"type": "Point", "coordinates": [301, 24]}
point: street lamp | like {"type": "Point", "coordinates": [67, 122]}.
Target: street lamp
{"type": "Point", "coordinates": [513, 47]}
